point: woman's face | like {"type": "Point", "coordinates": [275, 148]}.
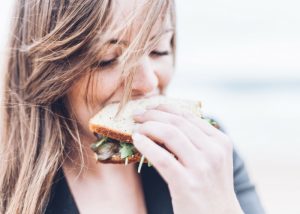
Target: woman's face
{"type": "Point", "coordinates": [153, 73]}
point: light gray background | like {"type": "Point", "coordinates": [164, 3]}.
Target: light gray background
{"type": "Point", "coordinates": [242, 59]}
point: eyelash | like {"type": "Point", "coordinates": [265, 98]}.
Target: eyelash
{"type": "Point", "coordinates": [160, 53]}
{"type": "Point", "coordinates": [110, 62]}
{"type": "Point", "coordinates": [106, 63]}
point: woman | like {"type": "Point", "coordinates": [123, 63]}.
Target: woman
{"type": "Point", "coordinates": [67, 60]}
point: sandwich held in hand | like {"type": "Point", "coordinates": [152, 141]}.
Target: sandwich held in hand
{"type": "Point", "coordinates": [114, 131]}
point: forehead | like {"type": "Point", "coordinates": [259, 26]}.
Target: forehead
{"type": "Point", "coordinates": [124, 8]}
{"type": "Point", "coordinates": [135, 12]}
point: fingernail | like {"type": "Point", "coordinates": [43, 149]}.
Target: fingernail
{"type": "Point", "coordinates": [138, 111]}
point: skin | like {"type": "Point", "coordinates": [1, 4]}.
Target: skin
{"type": "Point", "coordinates": [204, 168]}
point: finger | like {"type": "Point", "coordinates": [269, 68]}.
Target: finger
{"type": "Point", "coordinates": [197, 121]}
{"type": "Point", "coordinates": [171, 137]}
{"type": "Point", "coordinates": [163, 161]}
{"type": "Point", "coordinates": [194, 133]}
{"type": "Point", "coordinates": [201, 123]}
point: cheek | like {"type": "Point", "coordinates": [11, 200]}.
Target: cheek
{"type": "Point", "coordinates": [87, 96]}
{"type": "Point", "coordinates": [105, 85]}
{"type": "Point", "coordinates": [165, 71]}
{"type": "Point", "coordinates": [78, 108]}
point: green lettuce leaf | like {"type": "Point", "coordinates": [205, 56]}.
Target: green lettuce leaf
{"type": "Point", "coordinates": [126, 150]}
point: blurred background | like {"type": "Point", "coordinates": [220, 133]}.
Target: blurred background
{"type": "Point", "coordinates": [242, 60]}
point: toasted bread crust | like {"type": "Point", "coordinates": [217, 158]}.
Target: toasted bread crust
{"type": "Point", "coordinates": [116, 159]}
{"type": "Point", "coordinates": [114, 134]}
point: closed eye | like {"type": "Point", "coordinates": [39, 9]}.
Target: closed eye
{"type": "Point", "coordinates": [159, 53]}
{"type": "Point", "coordinates": [110, 62]}
{"type": "Point", "coordinates": [105, 63]}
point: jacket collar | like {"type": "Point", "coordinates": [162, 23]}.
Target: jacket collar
{"type": "Point", "coordinates": [156, 193]}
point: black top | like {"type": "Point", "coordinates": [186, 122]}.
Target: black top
{"type": "Point", "coordinates": [156, 192]}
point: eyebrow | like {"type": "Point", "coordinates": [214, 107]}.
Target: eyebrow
{"type": "Point", "coordinates": [124, 42]}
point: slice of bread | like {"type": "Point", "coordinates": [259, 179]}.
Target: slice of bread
{"type": "Point", "coordinates": [120, 127]}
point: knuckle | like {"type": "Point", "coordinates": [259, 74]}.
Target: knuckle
{"type": "Point", "coordinates": [177, 121]}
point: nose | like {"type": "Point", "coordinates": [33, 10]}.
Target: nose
{"type": "Point", "coordinates": [145, 79]}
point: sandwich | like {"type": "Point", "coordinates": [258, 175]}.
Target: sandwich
{"type": "Point", "coordinates": [114, 129]}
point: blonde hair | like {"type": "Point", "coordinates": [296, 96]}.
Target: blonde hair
{"type": "Point", "coordinates": [47, 41]}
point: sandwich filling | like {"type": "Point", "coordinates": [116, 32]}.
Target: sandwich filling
{"type": "Point", "coordinates": [105, 148]}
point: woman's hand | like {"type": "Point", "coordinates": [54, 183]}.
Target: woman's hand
{"type": "Point", "coordinates": [200, 177]}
